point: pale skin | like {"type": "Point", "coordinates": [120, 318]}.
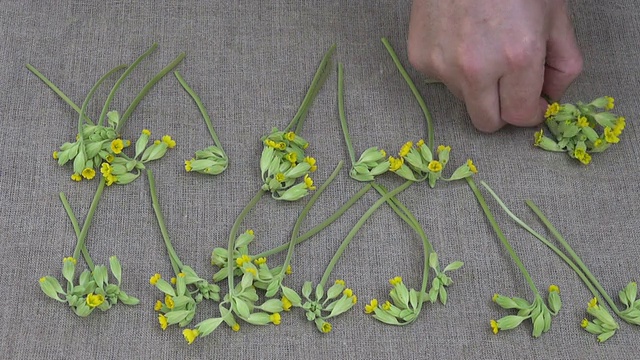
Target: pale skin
{"type": "Point", "coordinates": [498, 56]}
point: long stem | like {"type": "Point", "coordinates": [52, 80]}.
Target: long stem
{"type": "Point", "coordinates": [76, 228]}
{"type": "Point", "coordinates": [414, 90]}
{"type": "Point", "coordinates": [56, 90]}
{"type": "Point", "coordinates": [115, 87]}
{"type": "Point", "coordinates": [203, 110]}
{"type": "Point", "coordinates": [320, 226]}
{"type": "Point", "coordinates": [573, 254]}
{"type": "Point", "coordinates": [357, 227]}
{"type": "Point", "coordinates": [87, 222]}
{"type": "Point", "coordinates": [176, 264]}
{"type": "Point", "coordinates": [232, 237]}
{"type": "Point", "coordinates": [146, 89]}
{"type": "Point", "coordinates": [500, 235]}
{"type": "Point", "coordinates": [343, 116]}
{"type": "Point", "coordinates": [317, 82]}
{"type": "Point", "coordinates": [562, 255]}
{"type": "Point", "coordinates": [95, 87]}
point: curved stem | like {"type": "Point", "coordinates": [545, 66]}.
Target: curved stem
{"type": "Point", "coordinates": [146, 89]}
{"type": "Point", "coordinates": [320, 226]}
{"type": "Point", "coordinates": [87, 222]}
{"type": "Point", "coordinates": [56, 90]}
{"type": "Point", "coordinates": [357, 227]}
{"type": "Point", "coordinates": [95, 87]}
{"type": "Point", "coordinates": [76, 228]}
{"type": "Point", "coordinates": [500, 235]}
{"type": "Point", "coordinates": [575, 256]}
{"type": "Point", "coordinates": [115, 87]}
{"type": "Point", "coordinates": [176, 264]}
{"type": "Point", "coordinates": [343, 117]}
{"type": "Point", "coordinates": [203, 110]}
{"type": "Point", "coordinates": [414, 90]}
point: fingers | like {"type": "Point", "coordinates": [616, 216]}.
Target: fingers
{"type": "Point", "coordinates": [520, 90]}
{"type": "Point", "coordinates": [483, 106]}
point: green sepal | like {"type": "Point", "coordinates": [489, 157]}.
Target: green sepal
{"type": "Point", "coordinates": [538, 325]}
{"type": "Point", "coordinates": [319, 292]}
{"type": "Point", "coordinates": [206, 327]}
{"type": "Point", "coordinates": [631, 290]}
{"type": "Point", "coordinates": [555, 303]}
{"type": "Point", "coordinates": [113, 118]}
{"type": "Point", "coordinates": [605, 336]}
{"type": "Point", "coordinates": [68, 270]}
{"type": "Point", "coordinates": [83, 310]}
{"type": "Point", "coordinates": [141, 144]}
{"type": "Point", "coordinates": [340, 306]}
{"type": "Point", "coordinates": [385, 317]}
{"type": "Point", "coordinates": [241, 307]}
{"type": "Point", "coordinates": [126, 299]}
{"type": "Point", "coordinates": [165, 287]}
{"type": "Point", "coordinates": [116, 269]}
{"type": "Point", "coordinates": [335, 290]}
{"type": "Point", "coordinates": [291, 295]}
{"type": "Point", "coordinates": [174, 317]}
{"type": "Point", "coordinates": [100, 275]}
{"type": "Point", "coordinates": [510, 322]}
{"type": "Point", "coordinates": [306, 289]}
{"type": "Point", "coordinates": [51, 287]}
{"type": "Point", "coordinates": [453, 266]}
{"type": "Point", "coordinates": [433, 260]}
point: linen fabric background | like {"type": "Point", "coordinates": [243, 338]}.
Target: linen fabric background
{"type": "Point", "coordinates": [251, 63]}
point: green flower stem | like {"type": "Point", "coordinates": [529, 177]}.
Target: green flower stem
{"type": "Point", "coordinates": [76, 228]}
{"type": "Point", "coordinates": [232, 237]}
{"type": "Point", "coordinates": [87, 222]}
{"type": "Point", "coordinates": [95, 87]}
{"type": "Point", "coordinates": [203, 110]}
{"type": "Point", "coordinates": [146, 89]}
{"type": "Point", "coordinates": [176, 264]}
{"type": "Point", "coordinates": [343, 117]}
{"type": "Point", "coordinates": [544, 241]}
{"type": "Point", "coordinates": [500, 235]}
{"type": "Point", "coordinates": [357, 227]}
{"type": "Point", "coordinates": [320, 226]}
{"type": "Point", "coordinates": [56, 90]}
{"type": "Point", "coordinates": [116, 86]}
{"type": "Point", "coordinates": [573, 254]}
{"type": "Point", "coordinates": [314, 88]}
{"type": "Point", "coordinates": [416, 93]}
{"type": "Point", "coordinates": [303, 215]}
{"type": "Point", "coordinates": [427, 248]}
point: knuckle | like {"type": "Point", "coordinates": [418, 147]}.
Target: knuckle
{"type": "Point", "coordinates": [425, 60]}
{"type": "Point", "coordinates": [523, 54]}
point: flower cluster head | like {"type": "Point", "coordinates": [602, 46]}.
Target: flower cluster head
{"type": "Point", "coordinates": [403, 308]}
{"type": "Point", "coordinates": [100, 148]}
{"type": "Point", "coordinates": [417, 163]}
{"type": "Point", "coordinates": [581, 129]}
{"type": "Point", "coordinates": [537, 311]}
{"type": "Point", "coordinates": [93, 290]}
{"type": "Point", "coordinates": [602, 323]}
{"type": "Point", "coordinates": [211, 161]}
{"type": "Point", "coordinates": [283, 162]}
{"type": "Point", "coordinates": [371, 163]}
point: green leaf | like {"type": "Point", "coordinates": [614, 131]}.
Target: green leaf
{"type": "Point", "coordinates": [453, 266]}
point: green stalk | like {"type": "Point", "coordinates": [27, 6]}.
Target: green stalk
{"type": "Point", "coordinates": [95, 87]}
{"type": "Point", "coordinates": [316, 84]}
{"type": "Point", "coordinates": [500, 235]}
{"type": "Point", "coordinates": [303, 215]}
{"type": "Point", "coordinates": [320, 226]}
{"type": "Point", "coordinates": [146, 89]}
{"type": "Point", "coordinates": [414, 90]}
{"type": "Point", "coordinates": [176, 264]}
{"type": "Point", "coordinates": [562, 255]}
{"type": "Point", "coordinates": [115, 87]}
{"type": "Point", "coordinates": [203, 110]}
{"type": "Point", "coordinates": [573, 254]}
{"type": "Point", "coordinates": [87, 222]}
{"type": "Point", "coordinates": [56, 90]}
{"type": "Point", "coordinates": [343, 117]}
{"type": "Point", "coordinates": [232, 237]}
{"type": "Point", "coordinates": [76, 228]}
{"type": "Point", "coordinates": [357, 227]}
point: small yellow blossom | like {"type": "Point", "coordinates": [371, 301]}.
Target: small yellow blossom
{"type": "Point", "coordinates": [584, 323]}
{"type": "Point", "coordinates": [288, 271]}
{"type": "Point", "coordinates": [280, 177]}
{"type": "Point", "coordinates": [110, 179]}
{"type": "Point", "coordinates": [76, 177]}
{"type": "Point", "coordinates": [105, 169]}
{"type": "Point", "coordinates": [420, 143]}
{"type": "Point", "coordinates": [174, 280]}
{"type": "Point", "coordinates": [94, 300]}
{"type": "Point", "coordinates": [286, 303]}
{"type": "Point", "coordinates": [291, 157]}
{"type": "Point", "coordinates": [109, 158]}
{"type": "Point", "coordinates": [70, 259]}
{"type": "Point", "coordinates": [435, 166]}
{"type": "Point", "coordinates": [275, 318]}
{"type": "Point", "coordinates": [395, 164]}
{"type": "Point", "coordinates": [163, 321]}
{"type": "Point", "coordinates": [243, 259]}
{"type": "Point", "coordinates": [386, 305]}
{"type": "Point", "coordinates": [538, 137]}
{"type": "Point", "coordinates": [442, 148]}
{"type": "Point", "coordinates": [354, 299]}
{"type": "Point", "coordinates": [260, 261]}
{"type": "Point", "coordinates": [383, 153]}
{"type": "Point", "coordinates": [117, 145]}
{"type": "Point", "coordinates": [156, 142]}
{"type": "Point", "coordinates": [597, 143]}
{"type": "Point", "coordinates": [305, 146]}
{"type": "Point", "coordinates": [554, 288]}
{"type": "Point", "coordinates": [88, 173]}
{"type": "Point", "coordinates": [472, 166]}
{"type": "Point", "coordinates": [235, 327]}
{"type": "Point", "coordinates": [281, 146]}
{"type": "Point", "coordinates": [593, 303]}
{"type": "Point", "coordinates": [168, 300]}
{"type": "Point", "coordinates": [154, 279]}
{"type": "Point", "coordinates": [583, 122]}
{"type": "Point", "coordinates": [579, 153]}
{"type": "Point", "coordinates": [312, 162]}
{"type": "Point", "coordinates": [169, 141]}
{"type": "Point", "coordinates": [158, 306]}
{"type": "Point", "coordinates": [182, 275]}
{"type": "Point", "coordinates": [187, 165]}
{"type": "Point", "coordinates": [341, 282]}
{"type": "Point", "coordinates": [252, 271]}
{"type": "Point", "coordinates": [495, 297]}
{"type": "Point", "coordinates": [405, 149]}
{"type": "Point", "coordinates": [270, 143]}
{"type": "Point", "coordinates": [308, 182]}
{"type": "Point", "coordinates": [494, 326]}
{"type": "Point", "coordinates": [55, 155]}
{"type": "Point", "coordinates": [347, 292]}
{"type": "Point", "coordinates": [290, 136]}
{"type": "Point", "coordinates": [395, 281]}
{"type": "Point", "coordinates": [326, 327]}
{"type": "Point", "coordinates": [146, 132]}
{"type": "Point", "coordinates": [190, 335]}
{"type": "Point", "coordinates": [552, 110]}
{"type": "Point", "coordinates": [610, 103]}
{"type": "Point", "coordinates": [127, 143]}
{"type": "Point", "coordinates": [586, 159]}
{"type": "Point", "coordinates": [610, 136]}
{"type": "Point", "coordinates": [371, 307]}
{"type": "Point", "coordinates": [43, 279]}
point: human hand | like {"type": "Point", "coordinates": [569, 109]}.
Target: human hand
{"type": "Point", "coordinates": [497, 56]}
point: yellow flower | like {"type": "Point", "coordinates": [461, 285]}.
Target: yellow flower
{"type": "Point", "coordinates": [420, 143]}
{"type": "Point", "coordinates": [110, 179]}
{"type": "Point", "coordinates": [395, 281]}
{"type": "Point", "coordinates": [187, 165]}
{"type": "Point", "coordinates": [127, 143]}
{"type": "Point", "coordinates": [371, 307]}
{"type": "Point", "coordinates": [94, 300]}
{"type": "Point", "coordinates": [146, 132]}
{"type": "Point", "coordinates": [290, 135]}
{"type": "Point", "coordinates": [610, 136]}
{"type": "Point", "coordinates": [169, 141]}
{"type": "Point", "coordinates": [347, 292]}
{"type": "Point", "coordinates": [383, 153]}
{"type": "Point", "coordinates": [109, 158]}
{"type": "Point", "coordinates": [280, 177]}
{"type": "Point", "coordinates": [435, 166]}
{"type": "Point", "coordinates": [88, 173]}
{"type": "Point", "coordinates": [593, 303]}
{"type": "Point", "coordinates": [554, 288]}
{"type": "Point", "coordinates": [156, 142]}
{"type": "Point", "coordinates": [471, 166]}
{"type": "Point", "coordinates": [552, 110]}
{"type": "Point", "coordinates": [586, 159]}
{"type": "Point", "coordinates": [341, 282]}
{"type": "Point", "coordinates": [610, 103]}
{"type": "Point", "coordinates": [291, 157]}
{"type": "Point", "coordinates": [579, 153]}
{"type": "Point", "coordinates": [583, 122]}
{"type": "Point", "coordinates": [105, 169]}
{"type": "Point", "coordinates": [395, 164]}
{"type": "Point", "coordinates": [70, 259]}
{"type": "Point", "coordinates": [538, 137]}
{"type": "Point", "coordinates": [163, 321]}
{"type": "Point", "coordinates": [174, 280]}
{"type": "Point", "coordinates": [190, 335]}
{"type": "Point", "coordinates": [157, 306]}
{"type": "Point", "coordinates": [597, 143]}
{"type": "Point", "coordinates": [288, 271]}
{"type": "Point", "coordinates": [354, 299]}
{"type": "Point", "coordinates": [386, 305]}
{"type": "Point", "coordinates": [442, 147]}
{"type": "Point", "coordinates": [281, 146]}
{"type": "Point", "coordinates": [275, 318]}
{"type": "Point", "coordinates": [260, 261]}
{"type": "Point", "coordinates": [308, 182]}
{"type": "Point", "coordinates": [168, 300]}
{"type": "Point", "coordinates": [270, 143]}
{"type": "Point", "coordinates": [584, 323]}
{"type": "Point", "coordinates": [55, 155]}
{"type": "Point", "coordinates": [249, 231]}
{"type": "Point", "coordinates": [326, 327]}
{"type": "Point", "coordinates": [312, 162]}
{"type": "Point", "coordinates": [243, 259]}
{"type": "Point", "coordinates": [182, 275]}
{"type": "Point", "coordinates": [494, 326]}
{"type": "Point", "coordinates": [117, 145]}
{"type": "Point", "coordinates": [405, 149]}
{"type": "Point", "coordinates": [286, 303]}
{"type": "Point", "coordinates": [252, 271]}
{"type": "Point", "coordinates": [495, 297]}
{"type": "Point", "coordinates": [235, 327]}
{"type": "Point", "coordinates": [154, 279]}
{"type": "Point", "coordinates": [43, 279]}
{"type": "Point", "coordinates": [76, 177]}
{"type": "Point", "coordinates": [305, 146]}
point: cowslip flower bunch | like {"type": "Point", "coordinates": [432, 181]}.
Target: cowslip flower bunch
{"type": "Point", "coordinates": [602, 323]}
{"type": "Point", "coordinates": [537, 311]}
{"type": "Point", "coordinates": [372, 162]}
{"type": "Point", "coordinates": [581, 129]}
